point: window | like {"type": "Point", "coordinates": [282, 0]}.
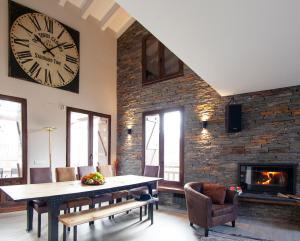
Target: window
{"type": "Point", "coordinates": [163, 143]}
{"type": "Point", "coordinates": [88, 138]}
{"type": "Point", "coordinates": [159, 63]}
{"type": "Point", "coordinates": [13, 139]}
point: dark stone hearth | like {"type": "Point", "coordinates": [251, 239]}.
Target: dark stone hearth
{"type": "Point", "coordinates": [270, 123]}
{"type": "Point", "coordinates": [269, 197]}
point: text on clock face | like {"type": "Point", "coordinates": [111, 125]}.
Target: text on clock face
{"type": "Point", "coordinates": [44, 49]}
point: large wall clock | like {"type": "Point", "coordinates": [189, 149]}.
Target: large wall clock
{"type": "Point", "coordinates": [42, 50]}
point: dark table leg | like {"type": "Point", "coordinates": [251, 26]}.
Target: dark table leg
{"type": "Point", "coordinates": [150, 214]}
{"type": "Point", "coordinates": [29, 215]}
{"type": "Point", "coordinates": [150, 187]}
{"type": "Point", "coordinates": [53, 213]}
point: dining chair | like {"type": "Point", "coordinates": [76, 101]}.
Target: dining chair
{"type": "Point", "coordinates": [85, 170]}
{"type": "Point", "coordinates": [41, 175]}
{"type": "Point", "coordinates": [65, 174]}
{"type": "Point", "coordinates": [107, 171]}
{"type": "Point", "coordinates": [149, 171]}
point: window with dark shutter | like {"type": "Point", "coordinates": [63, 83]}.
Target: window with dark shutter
{"type": "Point", "coordinates": [158, 62]}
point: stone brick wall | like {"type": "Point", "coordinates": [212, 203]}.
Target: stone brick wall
{"type": "Point", "coordinates": [271, 120]}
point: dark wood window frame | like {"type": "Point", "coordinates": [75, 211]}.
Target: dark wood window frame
{"type": "Point", "coordinates": [23, 179]}
{"type": "Point", "coordinates": [90, 137]}
{"type": "Point", "coordinates": [161, 145]}
{"type": "Point", "coordinates": [162, 75]}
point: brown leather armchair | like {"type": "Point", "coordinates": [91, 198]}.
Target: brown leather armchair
{"type": "Point", "coordinates": [204, 213]}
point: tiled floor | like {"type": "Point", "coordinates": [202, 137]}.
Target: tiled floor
{"type": "Point", "coordinates": [169, 225]}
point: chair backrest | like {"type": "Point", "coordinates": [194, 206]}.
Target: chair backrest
{"type": "Point", "coordinates": [85, 170]}
{"type": "Point", "coordinates": [106, 170]}
{"type": "Point", "coordinates": [40, 175]}
{"type": "Point", "coordinates": [151, 171]}
{"type": "Point", "coordinates": [65, 174]}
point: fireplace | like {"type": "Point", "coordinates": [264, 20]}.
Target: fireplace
{"type": "Point", "coordinates": [268, 178]}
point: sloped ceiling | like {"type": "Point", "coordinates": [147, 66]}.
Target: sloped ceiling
{"type": "Point", "coordinates": [237, 46]}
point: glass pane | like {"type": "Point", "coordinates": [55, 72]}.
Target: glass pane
{"type": "Point", "coordinates": [172, 125]}
{"type": "Point", "coordinates": [100, 140]}
{"type": "Point", "coordinates": [171, 63]}
{"type": "Point", "coordinates": [10, 139]}
{"type": "Point", "coordinates": [152, 140]}
{"type": "Point", "coordinates": [79, 139]}
{"type": "Point", "coordinates": [152, 59]}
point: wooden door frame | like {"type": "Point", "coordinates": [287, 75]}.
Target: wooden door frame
{"type": "Point", "coordinates": [90, 133]}
{"type": "Point", "coordinates": [23, 179]}
{"type": "Point", "coordinates": [160, 112]}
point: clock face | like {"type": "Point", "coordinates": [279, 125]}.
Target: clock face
{"type": "Point", "coordinates": [44, 49]}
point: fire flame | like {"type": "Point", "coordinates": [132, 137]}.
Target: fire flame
{"type": "Point", "coordinates": [269, 176]}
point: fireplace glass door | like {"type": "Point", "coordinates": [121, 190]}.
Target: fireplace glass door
{"type": "Point", "coordinates": [266, 178]}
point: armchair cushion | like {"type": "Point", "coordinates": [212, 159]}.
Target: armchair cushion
{"type": "Point", "coordinates": [216, 192]}
{"type": "Point", "coordinates": [219, 210]}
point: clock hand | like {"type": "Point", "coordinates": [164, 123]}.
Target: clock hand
{"type": "Point", "coordinates": [48, 50]}
{"type": "Point", "coordinates": [39, 39]}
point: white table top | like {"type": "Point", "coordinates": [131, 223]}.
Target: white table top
{"type": "Point", "coordinates": [45, 190]}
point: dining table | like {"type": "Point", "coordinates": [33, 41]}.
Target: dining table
{"type": "Point", "coordinates": [56, 193]}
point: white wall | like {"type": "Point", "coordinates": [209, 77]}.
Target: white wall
{"type": "Point", "coordinates": [97, 83]}
{"type": "Point", "coordinates": [235, 46]}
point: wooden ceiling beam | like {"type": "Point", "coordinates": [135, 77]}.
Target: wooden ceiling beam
{"type": "Point", "coordinates": [85, 8]}
{"type": "Point", "coordinates": [125, 26]}
{"type": "Point", "coordinates": [104, 21]}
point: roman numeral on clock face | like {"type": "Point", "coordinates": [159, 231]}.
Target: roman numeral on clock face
{"type": "Point", "coordinates": [26, 29]}
{"type": "Point", "coordinates": [61, 33]}
{"type": "Point", "coordinates": [67, 68]}
{"type": "Point", "coordinates": [71, 59]}
{"type": "Point", "coordinates": [69, 46]}
{"type": "Point", "coordinates": [22, 42]}
{"type": "Point", "coordinates": [35, 69]}
{"type": "Point", "coordinates": [60, 76]}
{"type": "Point", "coordinates": [49, 25]}
{"type": "Point", "coordinates": [35, 22]}
{"type": "Point", "coordinates": [48, 79]}
{"type": "Point", "coordinates": [24, 56]}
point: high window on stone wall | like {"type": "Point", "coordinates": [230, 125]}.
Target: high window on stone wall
{"type": "Point", "coordinates": [158, 62]}
{"type": "Point", "coordinates": [163, 143]}
{"type": "Point", "coordinates": [88, 138]}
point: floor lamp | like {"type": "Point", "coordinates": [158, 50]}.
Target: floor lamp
{"type": "Point", "coordinates": [50, 129]}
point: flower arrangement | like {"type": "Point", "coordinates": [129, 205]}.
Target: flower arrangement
{"type": "Point", "coordinates": [94, 178]}
{"type": "Point", "coordinates": [236, 188]}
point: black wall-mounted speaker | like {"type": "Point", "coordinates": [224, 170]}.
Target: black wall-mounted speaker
{"type": "Point", "coordinates": [233, 118]}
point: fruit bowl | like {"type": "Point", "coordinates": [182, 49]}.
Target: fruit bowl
{"type": "Point", "coordinates": [94, 178]}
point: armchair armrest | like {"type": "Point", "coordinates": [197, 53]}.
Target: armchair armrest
{"type": "Point", "coordinates": [231, 197]}
{"type": "Point", "coordinates": [199, 207]}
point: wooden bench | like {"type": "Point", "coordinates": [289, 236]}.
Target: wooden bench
{"type": "Point", "coordinates": [168, 189]}
{"type": "Point", "coordinates": [74, 219]}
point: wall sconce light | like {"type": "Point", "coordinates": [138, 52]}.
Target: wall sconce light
{"type": "Point", "coordinates": [129, 131]}
{"type": "Point", "coordinates": [204, 124]}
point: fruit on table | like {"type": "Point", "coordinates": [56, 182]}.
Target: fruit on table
{"type": "Point", "coordinates": [94, 178]}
